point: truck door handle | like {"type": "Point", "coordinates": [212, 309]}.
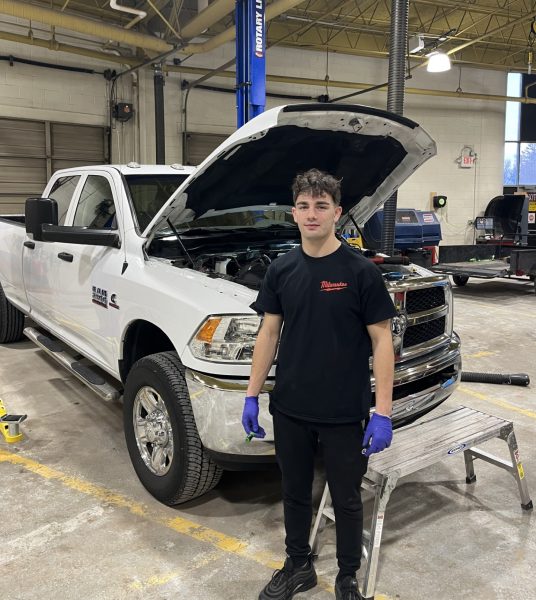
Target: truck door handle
{"type": "Point", "coordinates": [65, 256]}
{"type": "Point", "coordinates": [29, 244]}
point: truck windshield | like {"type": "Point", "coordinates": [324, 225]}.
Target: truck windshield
{"type": "Point", "coordinates": [150, 192]}
{"type": "Point", "coordinates": [251, 216]}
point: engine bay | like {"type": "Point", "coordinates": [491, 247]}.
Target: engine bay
{"type": "Point", "coordinates": [247, 263]}
{"type": "Point", "coordinates": [247, 267]}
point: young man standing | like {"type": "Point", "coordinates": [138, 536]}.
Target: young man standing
{"type": "Point", "coordinates": [336, 310]}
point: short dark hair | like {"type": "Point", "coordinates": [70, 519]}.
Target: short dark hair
{"type": "Point", "coordinates": [317, 183]}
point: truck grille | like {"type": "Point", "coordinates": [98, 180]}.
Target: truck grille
{"type": "Point", "coordinates": [424, 299]}
{"type": "Point", "coordinates": [424, 332]}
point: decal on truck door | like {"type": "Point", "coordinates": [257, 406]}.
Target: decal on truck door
{"type": "Point", "coordinates": [113, 301]}
{"type": "Point", "coordinates": [99, 296]}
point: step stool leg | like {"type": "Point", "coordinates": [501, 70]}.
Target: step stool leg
{"type": "Point", "coordinates": [320, 522]}
{"type": "Point", "coordinates": [470, 476]}
{"type": "Point", "coordinates": [517, 467]}
{"type": "Point", "coordinates": [381, 498]}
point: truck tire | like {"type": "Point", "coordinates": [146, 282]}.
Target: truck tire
{"type": "Point", "coordinates": [164, 444]}
{"type": "Point", "coordinates": [11, 321]}
{"type": "Point", "coordinates": [460, 280]}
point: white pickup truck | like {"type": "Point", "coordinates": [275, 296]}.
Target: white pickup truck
{"type": "Point", "coordinates": [140, 281]}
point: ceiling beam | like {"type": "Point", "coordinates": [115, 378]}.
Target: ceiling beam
{"type": "Point", "coordinates": [343, 26]}
{"type": "Point", "coordinates": [474, 8]}
{"type": "Point", "coordinates": [509, 25]}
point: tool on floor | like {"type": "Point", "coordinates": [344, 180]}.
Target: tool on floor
{"type": "Point", "coordinates": [9, 425]}
{"type": "Point", "coordinates": [521, 379]}
{"type": "Point", "coordinates": [418, 446]}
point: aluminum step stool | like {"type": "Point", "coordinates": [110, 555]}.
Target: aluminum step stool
{"type": "Point", "coordinates": [418, 446]}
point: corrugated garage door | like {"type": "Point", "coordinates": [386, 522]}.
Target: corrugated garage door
{"type": "Point", "coordinates": [75, 145]}
{"type": "Point", "coordinates": [30, 151]}
{"type": "Point", "coordinates": [23, 164]}
{"type": "Point", "coordinates": [200, 145]}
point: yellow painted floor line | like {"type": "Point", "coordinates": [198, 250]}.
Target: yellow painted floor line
{"type": "Point", "coordinates": [181, 525]}
{"type": "Point", "coordinates": [502, 403]}
{"type": "Point", "coordinates": [164, 578]}
{"type": "Point", "coordinates": [480, 354]}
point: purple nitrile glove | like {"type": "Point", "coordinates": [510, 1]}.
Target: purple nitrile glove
{"type": "Point", "coordinates": [250, 417]}
{"type": "Point", "coordinates": [378, 434]}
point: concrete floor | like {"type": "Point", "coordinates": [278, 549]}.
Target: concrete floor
{"type": "Point", "coordinates": [78, 524]}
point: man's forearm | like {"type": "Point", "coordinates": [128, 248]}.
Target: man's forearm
{"type": "Point", "coordinates": [383, 368]}
{"type": "Point", "coordinates": [263, 359]}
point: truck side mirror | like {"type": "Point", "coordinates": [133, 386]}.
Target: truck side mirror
{"type": "Point", "coordinates": [39, 211]}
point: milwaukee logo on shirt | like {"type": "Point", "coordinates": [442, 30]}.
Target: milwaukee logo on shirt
{"type": "Point", "coordinates": [328, 286]}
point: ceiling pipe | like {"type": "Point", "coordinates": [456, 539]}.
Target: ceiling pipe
{"type": "Point", "coordinates": [273, 10]}
{"type": "Point", "coordinates": [350, 85]}
{"type": "Point", "coordinates": [53, 45]}
{"type": "Point", "coordinates": [140, 14]}
{"type": "Point", "coordinates": [117, 34]}
{"type": "Point", "coordinates": [207, 17]}
{"type": "Point", "coordinates": [97, 29]}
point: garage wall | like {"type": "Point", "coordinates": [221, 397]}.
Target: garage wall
{"type": "Point", "coordinates": [61, 97]}
{"type": "Point", "coordinates": [29, 92]}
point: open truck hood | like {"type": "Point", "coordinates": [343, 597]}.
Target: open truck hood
{"type": "Point", "coordinates": [372, 151]}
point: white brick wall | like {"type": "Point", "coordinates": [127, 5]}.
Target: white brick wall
{"type": "Point", "coordinates": [37, 93]}
{"type": "Point", "coordinates": [29, 92]}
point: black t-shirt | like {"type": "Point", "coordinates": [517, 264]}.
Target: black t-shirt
{"type": "Point", "coordinates": [322, 369]}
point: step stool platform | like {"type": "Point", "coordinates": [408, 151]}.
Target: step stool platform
{"type": "Point", "coordinates": [421, 445]}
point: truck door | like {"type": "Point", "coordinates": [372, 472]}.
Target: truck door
{"type": "Point", "coordinates": [40, 263]}
{"type": "Point", "coordinates": [86, 274]}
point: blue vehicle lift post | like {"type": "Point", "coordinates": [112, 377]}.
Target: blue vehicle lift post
{"type": "Point", "coordinates": [250, 59]}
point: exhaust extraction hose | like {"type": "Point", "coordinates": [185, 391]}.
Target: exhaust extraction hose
{"type": "Point", "coordinates": [521, 379]}
{"type": "Point", "coordinates": [395, 102]}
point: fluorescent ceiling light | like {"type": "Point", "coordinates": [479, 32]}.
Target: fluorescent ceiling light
{"type": "Point", "coordinates": [438, 62]}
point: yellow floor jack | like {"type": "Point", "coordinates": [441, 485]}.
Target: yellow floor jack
{"type": "Point", "coordinates": [9, 425]}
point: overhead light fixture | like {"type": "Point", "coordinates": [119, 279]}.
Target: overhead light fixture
{"type": "Point", "coordinates": [438, 62]}
{"type": "Point", "coordinates": [415, 43]}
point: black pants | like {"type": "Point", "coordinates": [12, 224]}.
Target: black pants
{"type": "Point", "coordinates": [296, 443]}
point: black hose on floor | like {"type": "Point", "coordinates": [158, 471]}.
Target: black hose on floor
{"type": "Point", "coordinates": [512, 379]}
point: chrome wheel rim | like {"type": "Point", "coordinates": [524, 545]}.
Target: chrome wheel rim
{"type": "Point", "coordinates": [153, 431]}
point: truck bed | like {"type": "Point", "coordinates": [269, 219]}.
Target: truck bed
{"type": "Point", "coordinates": [485, 261]}
{"type": "Point", "coordinates": [484, 269]}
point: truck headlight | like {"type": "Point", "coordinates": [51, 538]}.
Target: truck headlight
{"type": "Point", "coordinates": [226, 338]}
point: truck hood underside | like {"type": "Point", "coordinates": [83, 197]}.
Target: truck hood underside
{"type": "Point", "coordinates": [371, 151]}
{"type": "Point", "coordinates": [263, 170]}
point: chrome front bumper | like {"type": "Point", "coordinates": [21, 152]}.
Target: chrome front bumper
{"type": "Point", "coordinates": [217, 403]}
{"type": "Point", "coordinates": [217, 406]}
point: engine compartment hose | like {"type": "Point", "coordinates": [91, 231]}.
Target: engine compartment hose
{"type": "Point", "coordinates": [390, 260]}
{"type": "Point", "coordinates": [511, 379]}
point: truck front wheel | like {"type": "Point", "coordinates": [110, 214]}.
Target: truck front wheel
{"type": "Point", "coordinates": [161, 433]}
{"type": "Point", "coordinates": [11, 321]}
{"type": "Point", "coordinates": [460, 280]}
